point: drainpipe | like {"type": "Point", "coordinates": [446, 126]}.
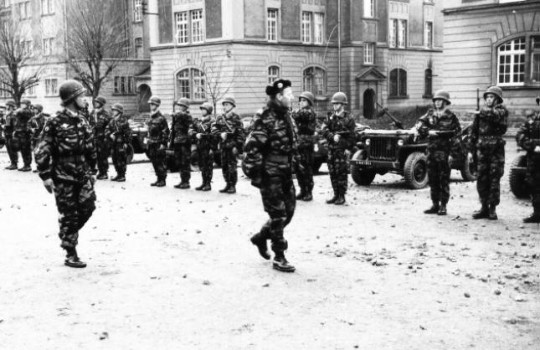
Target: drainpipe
{"type": "Point", "coordinates": [339, 45]}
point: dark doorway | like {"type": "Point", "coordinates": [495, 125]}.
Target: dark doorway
{"type": "Point", "coordinates": [144, 95]}
{"type": "Point", "coordinates": [369, 103]}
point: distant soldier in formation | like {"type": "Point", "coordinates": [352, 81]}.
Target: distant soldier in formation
{"type": "Point", "coordinates": [119, 132]}
{"type": "Point", "coordinates": [2, 126]}
{"type": "Point", "coordinates": [99, 119]}
{"type": "Point", "coordinates": [306, 122]}
{"type": "Point", "coordinates": [270, 150]}
{"type": "Point", "coordinates": [22, 135]}
{"type": "Point", "coordinates": [158, 135]}
{"type": "Point", "coordinates": [36, 125]}
{"type": "Point", "coordinates": [487, 131]}
{"type": "Point", "coordinates": [229, 129]}
{"type": "Point", "coordinates": [338, 130]}
{"type": "Point", "coordinates": [528, 138]}
{"type": "Point", "coordinates": [181, 143]}
{"type": "Point", "coordinates": [64, 156]}
{"type": "Point", "coordinates": [202, 132]}
{"type": "Point", "coordinates": [441, 126]}
{"type": "Point", "coordinates": [9, 128]}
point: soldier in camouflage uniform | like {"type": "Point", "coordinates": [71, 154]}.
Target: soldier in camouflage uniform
{"type": "Point", "coordinates": [441, 126]}
{"type": "Point", "coordinates": [181, 142]}
{"type": "Point", "coordinates": [99, 119]}
{"type": "Point", "coordinates": [22, 135]}
{"type": "Point", "coordinates": [488, 128]}
{"type": "Point", "coordinates": [119, 132]}
{"type": "Point", "coordinates": [202, 132]}
{"type": "Point", "coordinates": [36, 124]}
{"type": "Point", "coordinates": [528, 138]}
{"type": "Point", "coordinates": [9, 128]}
{"type": "Point", "coordinates": [306, 122]}
{"type": "Point", "coordinates": [338, 130]}
{"type": "Point", "coordinates": [64, 157]}
{"type": "Point", "coordinates": [229, 129]}
{"type": "Point", "coordinates": [2, 126]}
{"type": "Point", "coordinates": [158, 134]}
{"type": "Point", "coordinates": [270, 150]}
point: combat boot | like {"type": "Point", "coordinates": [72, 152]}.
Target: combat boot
{"type": "Point", "coordinates": [483, 213]}
{"type": "Point", "coordinates": [433, 210]}
{"type": "Point", "coordinates": [224, 190]}
{"type": "Point", "coordinates": [182, 185]}
{"type": "Point", "coordinates": [11, 167]}
{"type": "Point", "coordinates": [281, 264]}
{"type": "Point", "coordinates": [492, 215]}
{"type": "Point", "coordinates": [232, 189]}
{"type": "Point", "coordinates": [115, 178]}
{"type": "Point", "coordinates": [72, 259]}
{"type": "Point", "coordinates": [332, 200]}
{"type": "Point", "coordinates": [26, 168]}
{"type": "Point", "coordinates": [340, 200]}
{"type": "Point", "coordinates": [260, 242]}
{"type": "Point", "coordinates": [206, 187]}
{"type": "Point", "coordinates": [102, 177]}
{"type": "Point", "coordinates": [121, 179]}
{"type": "Point", "coordinates": [160, 183]}
{"type": "Point", "coordinates": [199, 188]}
{"type": "Point", "coordinates": [442, 210]}
{"type": "Point", "coordinates": [301, 195]}
{"type": "Point", "coordinates": [308, 197]}
{"type": "Point", "coordinates": [154, 183]}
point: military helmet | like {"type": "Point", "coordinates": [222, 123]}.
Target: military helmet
{"type": "Point", "coordinates": [38, 107]}
{"type": "Point", "coordinates": [154, 100]}
{"type": "Point", "coordinates": [442, 95]}
{"type": "Point", "coordinates": [229, 99]}
{"type": "Point", "coordinates": [339, 97]}
{"type": "Point", "coordinates": [69, 90]}
{"type": "Point", "coordinates": [26, 102]}
{"type": "Point", "coordinates": [11, 103]}
{"type": "Point", "coordinates": [182, 102]}
{"type": "Point", "coordinates": [495, 90]}
{"type": "Point", "coordinates": [101, 100]}
{"type": "Point", "coordinates": [208, 107]}
{"type": "Point", "coordinates": [308, 96]}
{"type": "Point", "coordinates": [118, 107]}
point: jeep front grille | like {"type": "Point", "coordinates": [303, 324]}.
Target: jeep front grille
{"type": "Point", "coordinates": [383, 148]}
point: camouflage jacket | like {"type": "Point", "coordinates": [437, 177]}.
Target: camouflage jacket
{"type": "Point", "coordinates": [10, 125]}
{"type": "Point", "coordinates": [306, 122]}
{"type": "Point", "coordinates": [121, 131]}
{"type": "Point", "coordinates": [203, 127]}
{"type": "Point", "coordinates": [66, 151]}
{"type": "Point", "coordinates": [2, 124]}
{"type": "Point", "coordinates": [22, 119]}
{"type": "Point", "coordinates": [489, 125]}
{"type": "Point", "coordinates": [181, 124]}
{"type": "Point", "coordinates": [446, 122]}
{"type": "Point", "coordinates": [158, 129]}
{"type": "Point", "coordinates": [99, 121]}
{"type": "Point", "coordinates": [528, 136]}
{"type": "Point", "coordinates": [36, 125]}
{"type": "Point", "coordinates": [232, 125]}
{"type": "Point", "coordinates": [342, 125]}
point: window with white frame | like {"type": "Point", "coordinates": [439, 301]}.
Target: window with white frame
{"type": "Point", "coordinates": [306, 27]}
{"type": "Point", "coordinates": [398, 33]}
{"type": "Point", "coordinates": [197, 31]}
{"type": "Point", "coordinates": [25, 10]}
{"type": "Point", "coordinates": [191, 84]}
{"type": "Point", "coordinates": [47, 7]}
{"type": "Point", "coordinates": [182, 25]}
{"type": "Point", "coordinates": [51, 87]}
{"type": "Point", "coordinates": [428, 34]}
{"type": "Point", "coordinates": [137, 10]}
{"type": "Point", "coordinates": [369, 8]}
{"type": "Point", "coordinates": [189, 27]}
{"type": "Point", "coordinates": [312, 27]}
{"type": "Point", "coordinates": [369, 53]}
{"type": "Point", "coordinates": [272, 25]}
{"type": "Point", "coordinates": [511, 62]}
{"type": "Point", "coordinates": [535, 59]}
{"type": "Point", "coordinates": [48, 44]}
{"type": "Point", "coordinates": [318, 28]}
{"type": "Point", "coordinates": [273, 74]}
{"type": "Point", "coordinates": [124, 85]}
{"type": "Point", "coordinates": [315, 80]}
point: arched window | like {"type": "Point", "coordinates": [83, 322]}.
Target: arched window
{"type": "Point", "coordinates": [273, 74]}
{"type": "Point", "coordinates": [190, 83]}
{"type": "Point", "coordinates": [511, 62]}
{"type": "Point", "coordinates": [428, 83]}
{"type": "Point", "coordinates": [398, 83]}
{"type": "Point", "coordinates": [315, 80]}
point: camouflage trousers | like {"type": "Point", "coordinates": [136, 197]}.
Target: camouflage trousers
{"type": "Point", "coordinates": [229, 166]}
{"type": "Point", "coordinates": [182, 157]}
{"type": "Point", "coordinates": [11, 151]}
{"type": "Point", "coordinates": [305, 175]}
{"type": "Point", "coordinates": [338, 169]}
{"type": "Point", "coordinates": [75, 203]}
{"type": "Point", "coordinates": [103, 148]}
{"type": "Point", "coordinates": [533, 178]}
{"type": "Point", "coordinates": [206, 162]}
{"type": "Point", "coordinates": [119, 158]}
{"type": "Point", "coordinates": [490, 170]}
{"type": "Point", "coordinates": [439, 175]}
{"type": "Point", "coordinates": [157, 157]}
{"type": "Point", "coordinates": [22, 142]}
{"type": "Point", "coordinates": [279, 201]}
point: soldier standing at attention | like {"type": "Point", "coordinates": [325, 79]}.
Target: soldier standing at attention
{"type": "Point", "coordinates": [202, 131]}
{"type": "Point", "coordinates": [2, 126]}
{"type": "Point", "coordinates": [36, 125]}
{"type": "Point", "coordinates": [270, 150]}
{"type": "Point", "coordinates": [228, 127]}
{"type": "Point", "coordinates": [181, 143]}
{"type": "Point", "coordinates": [488, 127]}
{"type": "Point", "coordinates": [22, 135]}
{"type": "Point", "coordinates": [64, 157]}
{"type": "Point", "coordinates": [158, 134]}
{"type": "Point", "coordinates": [9, 128]}
{"type": "Point", "coordinates": [441, 126]}
{"type": "Point", "coordinates": [528, 138]}
{"type": "Point", "coordinates": [119, 132]}
{"type": "Point", "coordinates": [99, 119]}
{"type": "Point", "coordinates": [338, 130]}
{"type": "Point", "coordinates": [306, 122]}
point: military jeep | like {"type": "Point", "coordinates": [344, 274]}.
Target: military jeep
{"type": "Point", "coordinates": [517, 177]}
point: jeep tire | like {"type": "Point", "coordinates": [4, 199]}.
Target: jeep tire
{"type": "Point", "coordinates": [468, 170]}
{"type": "Point", "coordinates": [415, 170]}
{"type": "Point", "coordinates": [362, 177]}
{"type": "Point", "coordinates": [130, 151]}
{"type": "Point", "coordinates": [518, 183]}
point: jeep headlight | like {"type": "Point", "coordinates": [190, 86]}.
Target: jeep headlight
{"type": "Point", "coordinates": [400, 142]}
{"type": "Point", "coordinates": [367, 142]}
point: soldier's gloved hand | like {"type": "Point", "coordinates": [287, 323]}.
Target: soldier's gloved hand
{"type": "Point", "coordinates": [223, 136]}
{"type": "Point", "coordinates": [537, 149]}
{"type": "Point", "coordinates": [337, 138]}
{"type": "Point", "coordinates": [198, 136]}
{"type": "Point", "coordinates": [49, 186]}
{"type": "Point", "coordinates": [235, 151]}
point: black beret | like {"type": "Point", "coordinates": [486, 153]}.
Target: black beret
{"type": "Point", "coordinates": [277, 87]}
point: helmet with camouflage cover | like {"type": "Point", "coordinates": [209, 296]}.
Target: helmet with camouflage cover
{"type": "Point", "coordinates": [70, 90]}
{"type": "Point", "coordinates": [308, 96]}
{"type": "Point", "coordinates": [208, 107]}
{"type": "Point", "coordinates": [442, 95]}
{"type": "Point", "coordinates": [26, 102]}
{"type": "Point", "coordinates": [229, 99]}
{"type": "Point", "coordinates": [182, 102]}
{"type": "Point", "coordinates": [154, 100]}
{"type": "Point", "coordinates": [339, 97]}
{"type": "Point", "coordinates": [11, 103]}
{"type": "Point", "coordinates": [38, 107]}
{"type": "Point", "coordinates": [118, 107]}
{"type": "Point", "coordinates": [494, 90]}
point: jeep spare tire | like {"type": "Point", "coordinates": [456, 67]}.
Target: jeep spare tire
{"type": "Point", "coordinates": [517, 177]}
{"type": "Point", "coordinates": [415, 170]}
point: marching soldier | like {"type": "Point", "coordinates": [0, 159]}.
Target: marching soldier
{"type": "Point", "coordinates": [338, 130]}
{"type": "Point", "coordinates": [270, 150]}
{"type": "Point", "coordinates": [119, 132]}
{"type": "Point", "coordinates": [64, 157]}
{"type": "Point", "coordinates": [488, 128]}
{"type": "Point", "coordinates": [99, 119]}
{"type": "Point", "coordinates": [202, 132]}
{"type": "Point", "coordinates": [9, 129]}
{"type": "Point", "coordinates": [228, 127]}
{"type": "Point", "coordinates": [528, 137]}
{"type": "Point", "coordinates": [181, 143]}
{"type": "Point", "coordinates": [306, 121]}
{"type": "Point", "coordinates": [22, 136]}
{"type": "Point", "coordinates": [158, 134]}
{"type": "Point", "coordinates": [441, 126]}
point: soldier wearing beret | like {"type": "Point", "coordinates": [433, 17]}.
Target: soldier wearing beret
{"type": "Point", "coordinates": [119, 133]}
{"type": "Point", "coordinates": [181, 142]}
{"type": "Point", "coordinates": [158, 135]}
{"type": "Point", "coordinates": [99, 119]}
{"type": "Point", "coordinates": [202, 133]}
{"type": "Point", "coordinates": [22, 137]}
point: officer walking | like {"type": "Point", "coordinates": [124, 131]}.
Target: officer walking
{"type": "Point", "coordinates": [441, 126]}
{"type": "Point", "coordinates": [64, 157]}
{"type": "Point", "coordinates": [306, 122]}
{"type": "Point", "coordinates": [119, 132]}
{"type": "Point", "coordinates": [338, 130]}
{"type": "Point", "coordinates": [488, 128]}
{"type": "Point", "coordinates": [99, 119]}
{"type": "Point", "coordinates": [202, 132]}
{"type": "Point", "coordinates": [528, 138]}
{"type": "Point", "coordinates": [22, 136]}
{"type": "Point", "coordinates": [9, 129]}
{"type": "Point", "coordinates": [181, 143]}
{"type": "Point", "coordinates": [270, 150]}
{"type": "Point", "coordinates": [158, 135]}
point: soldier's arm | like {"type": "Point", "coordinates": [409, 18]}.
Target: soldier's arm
{"type": "Point", "coordinates": [258, 138]}
{"type": "Point", "coordinates": [325, 131]}
{"type": "Point", "coordinates": [44, 150]}
{"type": "Point", "coordinates": [312, 125]}
{"type": "Point", "coordinates": [90, 151]}
{"type": "Point", "coordinates": [216, 128]}
{"type": "Point", "coordinates": [456, 126]}
{"type": "Point", "coordinates": [166, 132]}
{"type": "Point", "coordinates": [474, 131]}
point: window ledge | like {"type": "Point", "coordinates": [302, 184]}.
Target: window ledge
{"type": "Point", "coordinates": [120, 94]}
{"type": "Point", "coordinates": [427, 96]}
{"type": "Point", "coordinates": [398, 97]}
{"type": "Point", "coordinates": [321, 98]}
{"type": "Point", "coordinates": [521, 87]}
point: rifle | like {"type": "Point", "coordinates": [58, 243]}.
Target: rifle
{"type": "Point", "coordinates": [395, 121]}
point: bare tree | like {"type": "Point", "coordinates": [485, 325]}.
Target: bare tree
{"type": "Point", "coordinates": [96, 40]}
{"type": "Point", "coordinates": [218, 80]}
{"type": "Point", "coordinates": [16, 53]}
